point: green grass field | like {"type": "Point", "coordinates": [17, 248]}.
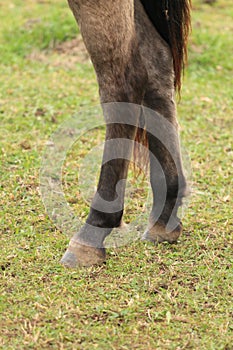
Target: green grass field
{"type": "Point", "coordinates": [145, 297]}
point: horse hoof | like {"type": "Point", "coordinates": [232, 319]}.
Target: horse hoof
{"type": "Point", "coordinates": [158, 234]}
{"type": "Point", "coordinates": [80, 255]}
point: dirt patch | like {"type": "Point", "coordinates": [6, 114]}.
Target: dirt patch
{"type": "Point", "coordinates": [75, 48]}
{"type": "Point", "coordinates": [66, 54]}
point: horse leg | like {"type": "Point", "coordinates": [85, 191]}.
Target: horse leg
{"type": "Point", "coordinates": [108, 31]}
{"type": "Point", "coordinates": [169, 185]}
{"type": "Point", "coordinates": [166, 173]}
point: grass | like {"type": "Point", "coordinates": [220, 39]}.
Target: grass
{"type": "Point", "coordinates": [145, 297]}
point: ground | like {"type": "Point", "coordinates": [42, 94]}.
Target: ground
{"type": "Point", "coordinates": [144, 297]}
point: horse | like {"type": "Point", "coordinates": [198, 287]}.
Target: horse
{"type": "Point", "coordinates": [138, 49]}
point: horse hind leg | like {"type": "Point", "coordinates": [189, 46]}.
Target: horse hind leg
{"type": "Point", "coordinates": [108, 31]}
{"type": "Point", "coordinates": [166, 174]}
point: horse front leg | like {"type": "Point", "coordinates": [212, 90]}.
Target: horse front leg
{"type": "Point", "coordinates": [108, 31]}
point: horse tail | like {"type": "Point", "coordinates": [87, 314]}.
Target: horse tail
{"type": "Point", "coordinates": [140, 152]}
{"type": "Point", "coordinates": [172, 20]}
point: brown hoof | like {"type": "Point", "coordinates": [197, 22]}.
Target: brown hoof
{"type": "Point", "coordinates": [79, 255]}
{"type": "Point", "coordinates": [158, 234]}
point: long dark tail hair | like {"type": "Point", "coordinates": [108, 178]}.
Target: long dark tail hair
{"type": "Point", "coordinates": [172, 20]}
